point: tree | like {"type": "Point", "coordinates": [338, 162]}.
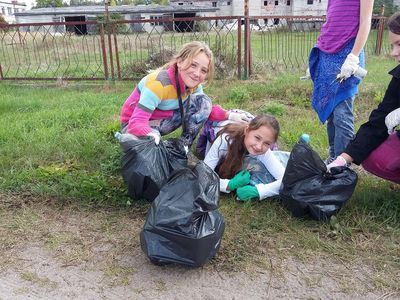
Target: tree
{"type": "Point", "coordinates": [126, 2]}
{"type": "Point", "coordinates": [83, 3]}
{"type": "Point", "coordinates": [389, 7]}
{"type": "Point", "coordinates": [3, 20]}
{"type": "Point", "coordinates": [48, 3]}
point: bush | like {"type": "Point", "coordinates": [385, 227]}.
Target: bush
{"type": "Point", "coordinates": [200, 26]}
{"type": "Point", "coordinates": [239, 95]}
{"type": "Point", "coordinates": [120, 28]}
{"type": "Point", "coordinates": [274, 108]}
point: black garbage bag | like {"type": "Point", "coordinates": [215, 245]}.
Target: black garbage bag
{"type": "Point", "coordinates": [147, 166]}
{"type": "Point", "coordinates": [308, 189]}
{"type": "Point", "coordinates": [177, 153]}
{"type": "Point", "coordinates": [183, 225]}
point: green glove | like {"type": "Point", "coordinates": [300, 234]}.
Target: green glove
{"type": "Point", "coordinates": [247, 192]}
{"type": "Point", "coordinates": [241, 179]}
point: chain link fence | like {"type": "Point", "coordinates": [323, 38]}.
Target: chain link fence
{"type": "Point", "coordinates": [123, 50]}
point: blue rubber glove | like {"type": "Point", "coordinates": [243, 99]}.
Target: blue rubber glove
{"type": "Point", "coordinates": [241, 179]}
{"type": "Point", "coordinates": [247, 192]}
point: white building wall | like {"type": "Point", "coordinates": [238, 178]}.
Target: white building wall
{"type": "Point", "coordinates": [261, 7]}
{"type": "Point", "coordinates": [8, 8]}
{"type": "Point", "coordinates": [154, 26]}
{"type": "Point", "coordinates": [303, 8]}
{"type": "Point", "coordinates": [36, 19]}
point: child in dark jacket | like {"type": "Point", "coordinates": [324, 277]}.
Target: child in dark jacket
{"type": "Point", "coordinates": [377, 144]}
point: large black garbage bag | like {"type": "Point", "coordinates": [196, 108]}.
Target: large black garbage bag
{"type": "Point", "coordinates": [183, 225]}
{"type": "Point", "coordinates": [147, 166]}
{"type": "Point", "coordinates": [308, 189]}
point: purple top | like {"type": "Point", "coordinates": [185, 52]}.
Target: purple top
{"type": "Point", "coordinates": [341, 25]}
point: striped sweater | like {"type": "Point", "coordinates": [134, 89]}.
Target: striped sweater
{"type": "Point", "coordinates": [342, 22]}
{"type": "Point", "coordinates": [155, 98]}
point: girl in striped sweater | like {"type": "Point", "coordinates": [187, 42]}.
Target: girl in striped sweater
{"type": "Point", "coordinates": [153, 108]}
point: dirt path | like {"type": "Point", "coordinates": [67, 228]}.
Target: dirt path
{"type": "Point", "coordinates": [53, 252]}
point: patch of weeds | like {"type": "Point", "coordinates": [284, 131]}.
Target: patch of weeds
{"type": "Point", "coordinates": [239, 95]}
{"type": "Point", "coordinates": [36, 279]}
{"type": "Point", "coordinates": [64, 183]}
{"type": "Point", "coordinates": [160, 285]}
{"type": "Point", "coordinates": [111, 165]}
{"type": "Point", "coordinates": [297, 98]}
{"type": "Point", "coordinates": [384, 280]}
{"type": "Point", "coordinates": [378, 96]}
{"type": "Point", "coordinates": [52, 242]}
{"type": "Point", "coordinates": [119, 275]}
{"type": "Point", "coordinates": [109, 129]}
{"type": "Point", "coordinates": [347, 285]}
{"type": "Point", "coordinates": [313, 281]}
{"type": "Point", "coordinates": [274, 108]}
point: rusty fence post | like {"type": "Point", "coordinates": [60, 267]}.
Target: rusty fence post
{"type": "Point", "coordinates": [239, 47]}
{"type": "Point", "coordinates": [246, 40]}
{"type": "Point", "coordinates": [109, 26]}
{"type": "Point", "coordinates": [103, 51]}
{"type": "Point", "coordinates": [116, 51]}
{"type": "Point", "coordinates": [379, 35]}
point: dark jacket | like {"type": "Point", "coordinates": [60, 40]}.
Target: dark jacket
{"type": "Point", "coordinates": [374, 132]}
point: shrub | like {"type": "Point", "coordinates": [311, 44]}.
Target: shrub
{"type": "Point", "coordinates": [274, 108]}
{"type": "Point", "coordinates": [239, 95]}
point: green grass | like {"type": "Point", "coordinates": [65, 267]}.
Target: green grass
{"type": "Point", "coordinates": [57, 142]}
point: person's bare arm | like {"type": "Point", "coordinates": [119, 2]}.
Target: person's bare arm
{"type": "Point", "coordinates": [366, 7]}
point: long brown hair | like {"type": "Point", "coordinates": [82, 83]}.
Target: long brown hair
{"type": "Point", "coordinates": [237, 151]}
{"type": "Point", "coordinates": [191, 50]}
{"type": "Point", "coordinates": [394, 23]}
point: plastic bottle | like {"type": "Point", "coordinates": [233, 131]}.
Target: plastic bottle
{"type": "Point", "coordinates": [360, 73]}
{"type": "Point", "coordinates": [124, 137]}
{"type": "Point", "coordinates": [118, 135]}
{"type": "Point", "coordinates": [304, 138]}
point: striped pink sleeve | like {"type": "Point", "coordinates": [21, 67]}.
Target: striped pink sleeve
{"type": "Point", "coordinates": [217, 113]}
{"type": "Point", "coordinates": [139, 122]}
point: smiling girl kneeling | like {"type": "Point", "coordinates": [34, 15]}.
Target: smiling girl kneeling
{"type": "Point", "coordinates": [154, 107]}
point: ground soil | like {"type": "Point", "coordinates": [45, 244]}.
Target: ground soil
{"type": "Point", "coordinates": [50, 251]}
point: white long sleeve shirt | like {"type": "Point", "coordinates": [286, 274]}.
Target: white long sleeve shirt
{"type": "Point", "coordinates": [219, 150]}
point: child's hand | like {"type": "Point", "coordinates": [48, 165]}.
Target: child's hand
{"type": "Point", "coordinates": [349, 67]}
{"type": "Point", "coordinates": [392, 120]}
{"type": "Point", "coordinates": [155, 136]}
{"type": "Point", "coordinates": [241, 179]}
{"type": "Point", "coordinates": [338, 162]}
{"type": "Point", "coordinates": [238, 117]}
{"type": "Point", "coordinates": [247, 192]}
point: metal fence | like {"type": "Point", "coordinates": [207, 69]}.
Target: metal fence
{"type": "Point", "coordinates": [128, 49]}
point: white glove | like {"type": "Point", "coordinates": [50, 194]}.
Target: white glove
{"type": "Point", "coordinates": [392, 120]}
{"type": "Point", "coordinates": [349, 67]}
{"type": "Point", "coordinates": [156, 137]}
{"type": "Point", "coordinates": [238, 117]}
{"type": "Point", "coordinates": [338, 162]}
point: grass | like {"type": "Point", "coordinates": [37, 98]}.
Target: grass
{"type": "Point", "coordinates": [56, 142]}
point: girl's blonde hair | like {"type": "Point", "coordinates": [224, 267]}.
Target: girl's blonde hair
{"type": "Point", "coordinates": [237, 151]}
{"type": "Point", "coordinates": [189, 51]}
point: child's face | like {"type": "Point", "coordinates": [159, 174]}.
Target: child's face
{"type": "Point", "coordinates": [395, 44]}
{"type": "Point", "coordinates": [258, 141]}
{"type": "Point", "coordinates": [195, 72]}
